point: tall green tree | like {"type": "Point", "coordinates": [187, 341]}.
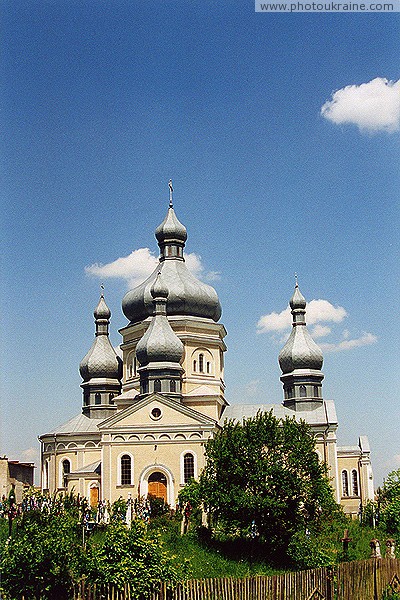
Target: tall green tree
{"type": "Point", "coordinates": [390, 503]}
{"type": "Point", "coordinates": [263, 475]}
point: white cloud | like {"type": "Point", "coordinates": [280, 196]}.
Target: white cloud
{"type": "Point", "coordinates": [133, 268]}
{"type": "Point", "coordinates": [274, 321]}
{"type": "Point", "coordinates": [139, 264]}
{"type": "Point", "coordinates": [366, 339]}
{"type": "Point", "coordinates": [317, 311]}
{"type": "Point", "coordinates": [320, 331]}
{"type": "Point", "coordinates": [372, 106]}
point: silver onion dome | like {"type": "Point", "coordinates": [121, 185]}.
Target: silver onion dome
{"type": "Point", "coordinates": [101, 361]}
{"type": "Point", "coordinates": [186, 294]}
{"type": "Point", "coordinates": [159, 344]}
{"type": "Point", "coordinates": [300, 350]}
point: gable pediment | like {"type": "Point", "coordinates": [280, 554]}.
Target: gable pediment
{"type": "Point", "coordinates": [156, 411]}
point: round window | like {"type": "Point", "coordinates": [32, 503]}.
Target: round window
{"type": "Point", "coordinates": [156, 413]}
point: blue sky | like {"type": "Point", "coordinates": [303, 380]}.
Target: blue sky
{"type": "Point", "coordinates": [103, 102]}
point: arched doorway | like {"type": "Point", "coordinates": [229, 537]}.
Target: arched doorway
{"type": "Point", "coordinates": [157, 485]}
{"type": "Point", "coordinates": [94, 497]}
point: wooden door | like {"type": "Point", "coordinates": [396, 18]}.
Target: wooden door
{"type": "Point", "coordinates": [157, 486]}
{"type": "Point", "coordinates": [94, 497]}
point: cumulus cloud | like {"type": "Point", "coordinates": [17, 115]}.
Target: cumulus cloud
{"type": "Point", "coordinates": [372, 106]}
{"type": "Point", "coordinates": [133, 268]}
{"type": "Point", "coordinates": [366, 339]}
{"type": "Point", "coordinates": [317, 311]}
{"type": "Point", "coordinates": [320, 331]}
{"type": "Point", "coordinates": [139, 264]}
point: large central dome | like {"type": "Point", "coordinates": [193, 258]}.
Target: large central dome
{"type": "Point", "coordinates": [186, 294]}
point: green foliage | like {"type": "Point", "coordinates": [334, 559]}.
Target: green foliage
{"type": "Point", "coordinates": [46, 556]}
{"type": "Point", "coordinates": [190, 493]}
{"type": "Point", "coordinates": [131, 555]}
{"type": "Point", "coordinates": [211, 558]}
{"type": "Point", "coordinates": [43, 557]}
{"type": "Point", "coordinates": [158, 506]}
{"type": "Point", "coordinates": [264, 475]}
{"type": "Point", "coordinates": [389, 501]}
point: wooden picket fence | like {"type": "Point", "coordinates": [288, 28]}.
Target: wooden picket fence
{"type": "Point", "coordinates": [361, 580]}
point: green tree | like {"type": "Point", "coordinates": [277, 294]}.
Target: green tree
{"type": "Point", "coordinates": [263, 476]}
{"type": "Point", "coordinates": [389, 499]}
{"type": "Point", "coordinates": [131, 556]}
{"type": "Point", "coordinates": [43, 557]}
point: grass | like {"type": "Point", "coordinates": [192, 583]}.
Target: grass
{"type": "Point", "coordinates": [212, 559]}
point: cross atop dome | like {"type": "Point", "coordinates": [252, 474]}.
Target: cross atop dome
{"type": "Point", "coordinates": [171, 191]}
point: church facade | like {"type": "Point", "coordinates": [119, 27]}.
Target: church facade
{"type": "Point", "coordinates": [147, 415]}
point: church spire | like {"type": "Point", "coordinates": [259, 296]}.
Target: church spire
{"type": "Point", "coordinates": [301, 361]}
{"type": "Point", "coordinates": [160, 351]}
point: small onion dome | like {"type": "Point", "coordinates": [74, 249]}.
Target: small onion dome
{"type": "Point", "coordinates": [101, 361]}
{"type": "Point", "coordinates": [171, 229]}
{"type": "Point", "coordinates": [297, 300]}
{"type": "Point", "coordinates": [158, 289]}
{"type": "Point", "coordinates": [102, 311]}
{"type": "Point", "coordinates": [159, 344]}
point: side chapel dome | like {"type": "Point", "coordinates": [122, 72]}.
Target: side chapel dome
{"type": "Point", "coordinates": [101, 361]}
{"type": "Point", "coordinates": [300, 350]}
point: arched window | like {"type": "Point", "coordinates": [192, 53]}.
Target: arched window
{"type": "Point", "coordinates": [157, 385]}
{"type": "Point", "coordinates": [66, 468]}
{"type": "Point", "coordinates": [354, 482]}
{"type": "Point", "coordinates": [208, 367]}
{"type": "Point", "coordinates": [131, 366]}
{"type": "Point", "coordinates": [290, 392]}
{"type": "Point", "coordinates": [172, 385]}
{"type": "Point", "coordinates": [201, 363]}
{"type": "Point", "coordinates": [188, 467]}
{"type": "Point", "coordinates": [345, 483]}
{"type": "Point", "coordinates": [126, 470]}
{"type": "Point", "coordinates": [97, 398]}
{"type": "Point", "coordinates": [303, 391]}
{"type": "Point", "coordinates": [316, 391]}
{"type": "Point", "coordinates": [111, 398]}
{"type": "Point", "coordinates": [195, 365]}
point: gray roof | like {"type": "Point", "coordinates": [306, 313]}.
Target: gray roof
{"type": "Point", "coordinates": [92, 468]}
{"type": "Point", "coordinates": [78, 424]}
{"type": "Point", "coordinates": [323, 415]}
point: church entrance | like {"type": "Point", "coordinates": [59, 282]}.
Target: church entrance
{"type": "Point", "coordinates": [94, 497]}
{"type": "Point", "coordinates": [157, 485]}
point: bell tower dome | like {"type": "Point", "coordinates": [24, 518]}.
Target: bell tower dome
{"type": "Point", "coordinates": [301, 361]}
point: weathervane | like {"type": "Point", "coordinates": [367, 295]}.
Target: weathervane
{"type": "Point", "coordinates": [102, 289]}
{"type": "Point", "coordinates": [295, 277]}
{"type": "Point", "coordinates": [171, 189]}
